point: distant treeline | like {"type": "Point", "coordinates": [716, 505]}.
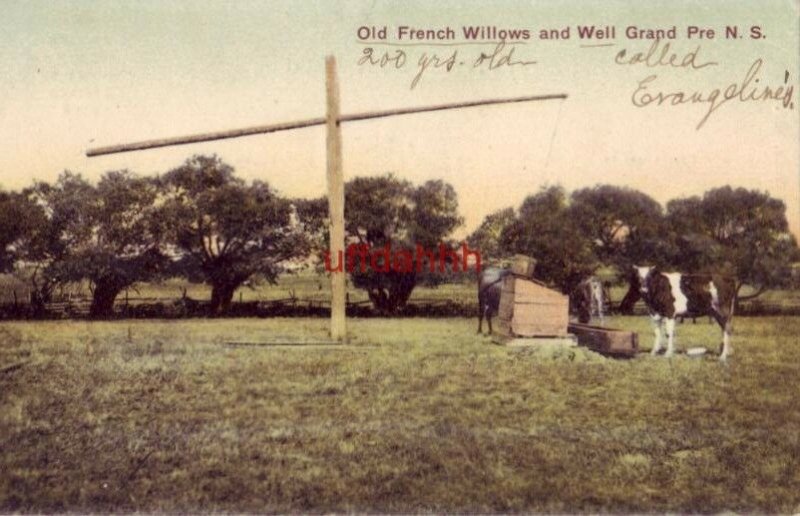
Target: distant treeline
{"type": "Point", "coordinates": [200, 222]}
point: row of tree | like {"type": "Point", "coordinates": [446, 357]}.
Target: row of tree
{"type": "Point", "coordinates": [198, 221]}
{"type": "Point", "coordinates": [732, 231]}
{"type": "Point", "coordinates": [201, 222]}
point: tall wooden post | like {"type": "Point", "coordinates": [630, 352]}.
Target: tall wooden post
{"type": "Point", "coordinates": [335, 202]}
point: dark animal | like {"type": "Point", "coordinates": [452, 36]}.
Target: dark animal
{"type": "Point", "coordinates": [671, 294]}
{"type": "Point", "coordinates": [490, 283]}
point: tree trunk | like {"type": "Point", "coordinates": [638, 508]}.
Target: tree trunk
{"type": "Point", "coordinates": [389, 299]}
{"type": "Point", "coordinates": [222, 295]}
{"type": "Point", "coordinates": [103, 299]}
{"type": "Point", "coordinates": [38, 304]}
{"type": "Point", "coordinates": [400, 293]}
{"type": "Point", "coordinates": [379, 299]}
{"type": "Point", "coordinates": [40, 296]}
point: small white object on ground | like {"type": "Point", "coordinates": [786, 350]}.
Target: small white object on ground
{"type": "Point", "coordinates": [696, 352]}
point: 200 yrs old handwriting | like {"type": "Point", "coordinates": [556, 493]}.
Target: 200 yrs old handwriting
{"type": "Point", "coordinates": [502, 55]}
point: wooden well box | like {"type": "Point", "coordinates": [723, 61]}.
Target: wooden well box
{"type": "Point", "coordinates": [523, 265]}
{"type": "Point", "coordinates": [530, 309]}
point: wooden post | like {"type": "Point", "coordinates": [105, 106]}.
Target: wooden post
{"type": "Point", "coordinates": [335, 202]}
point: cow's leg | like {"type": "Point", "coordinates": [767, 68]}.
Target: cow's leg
{"type": "Point", "coordinates": [601, 308]}
{"type": "Point", "coordinates": [480, 317]}
{"type": "Point", "coordinates": [727, 350]}
{"type": "Point", "coordinates": [726, 325]}
{"type": "Point", "coordinates": [489, 319]}
{"type": "Point", "coordinates": [670, 337]}
{"type": "Point", "coordinates": [657, 333]}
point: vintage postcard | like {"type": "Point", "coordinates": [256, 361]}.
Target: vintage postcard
{"type": "Point", "coordinates": [400, 257]}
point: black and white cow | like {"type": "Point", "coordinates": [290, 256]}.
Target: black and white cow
{"type": "Point", "coordinates": [672, 294]}
{"type": "Point", "coordinates": [490, 285]}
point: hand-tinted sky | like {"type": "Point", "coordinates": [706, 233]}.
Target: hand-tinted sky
{"type": "Point", "coordinates": [82, 74]}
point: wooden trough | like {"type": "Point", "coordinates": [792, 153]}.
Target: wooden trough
{"type": "Point", "coordinates": [532, 313]}
{"type": "Point", "coordinates": [608, 341]}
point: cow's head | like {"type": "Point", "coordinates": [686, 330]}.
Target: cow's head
{"type": "Point", "coordinates": [641, 273]}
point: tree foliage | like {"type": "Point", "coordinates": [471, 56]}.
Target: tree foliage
{"type": "Point", "coordinates": [225, 231]}
{"type": "Point", "coordinates": [59, 225]}
{"type": "Point", "coordinates": [125, 244]}
{"type": "Point", "coordinates": [626, 227]}
{"type": "Point", "coordinates": [387, 211]}
{"type": "Point", "coordinates": [488, 237]}
{"type": "Point", "coordinates": [18, 217]}
{"type": "Point", "coordinates": [545, 230]}
{"type": "Point", "coordinates": [105, 234]}
{"type": "Point", "coordinates": [741, 232]}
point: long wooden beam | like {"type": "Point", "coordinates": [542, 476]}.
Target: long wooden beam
{"type": "Point", "coordinates": [286, 126]}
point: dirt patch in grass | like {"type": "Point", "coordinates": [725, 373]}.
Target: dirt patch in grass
{"type": "Point", "coordinates": [547, 352]}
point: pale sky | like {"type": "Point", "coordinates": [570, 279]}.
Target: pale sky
{"type": "Point", "coordinates": [83, 74]}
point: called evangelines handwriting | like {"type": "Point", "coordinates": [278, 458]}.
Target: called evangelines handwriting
{"type": "Point", "coordinates": [743, 91]}
{"type": "Point", "coordinates": [747, 90]}
{"type": "Point", "coordinates": [501, 56]}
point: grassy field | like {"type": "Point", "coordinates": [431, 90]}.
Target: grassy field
{"type": "Point", "coordinates": [161, 416]}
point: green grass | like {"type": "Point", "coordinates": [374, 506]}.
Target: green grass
{"type": "Point", "coordinates": [160, 416]}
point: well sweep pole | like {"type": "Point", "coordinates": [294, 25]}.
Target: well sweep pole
{"type": "Point", "coordinates": [335, 202]}
{"type": "Point", "coordinates": [310, 122]}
